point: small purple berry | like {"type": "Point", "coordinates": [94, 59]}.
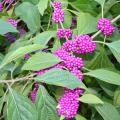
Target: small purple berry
{"type": "Point", "coordinates": [58, 16]}
{"type": "Point", "coordinates": [78, 74]}
{"type": "Point", "coordinates": [63, 33]}
{"type": "Point", "coordinates": [57, 5]}
{"type": "Point", "coordinates": [1, 7]}
{"type": "Point", "coordinates": [68, 104]}
{"type": "Point", "coordinates": [27, 56]}
{"type": "Point", "coordinates": [11, 38]}
{"type": "Point", "coordinates": [85, 44]}
{"type": "Point", "coordinates": [70, 46]}
{"type": "Point", "coordinates": [22, 32]}
{"type": "Point", "coordinates": [73, 62]}
{"type": "Point", "coordinates": [33, 95]}
{"type": "Point", "coordinates": [12, 22]}
{"type": "Point", "coordinates": [105, 26]}
{"type": "Point", "coordinates": [62, 54]}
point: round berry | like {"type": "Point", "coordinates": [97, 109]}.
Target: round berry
{"type": "Point", "coordinates": [105, 26]}
{"type": "Point", "coordinates": [58, 16]}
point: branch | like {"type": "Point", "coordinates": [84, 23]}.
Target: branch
{"type": "Point", "coordinates": [112, 21]}
{"type": "Point", "coordinates": [29, 77]}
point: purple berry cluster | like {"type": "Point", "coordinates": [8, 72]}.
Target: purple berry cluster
{"type": "Point", "coordinates": [58, 14]}
{"type": "Point", "coordinates": [1, 7]}
{"type": "Point", "coordinates": [12, 22]}
{"type": "Point", "coordinates": [33, 93]}
{"type": "Point", "coordinates": [68, 105]}
{"type": "Point", "coordinates": [85, 44]}
{"type": "Point", "coordinates": [57, 5]}
{"type": "Point", "coordinates": [105, 26]}
{"type": "Point", "coordinates": [63, 33]}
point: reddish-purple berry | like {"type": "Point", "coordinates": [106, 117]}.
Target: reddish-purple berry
{"type": "Point", "coordinates": [105, 26]}
{"type": "Point", "coordinates": [10, 37]}
{"type": "Point", "coordinates": [12, 22]}
{"type": "Point", "coordinates": [33, 95]}
{"type": "Point", "coordinates": [85, 44]}
{"type": "Point", "coordinates": [63, 33]}
{"type": "Point", "coordinates": [70, 46]}
{"type": "Point", "coordinates": [62, 54]}
{"type": "Point", "coordinates": [57, 5]}
{"type": "Point", "coordinates": [1, 7]}
{"type": "Point", "coordinates": [78, 74]}
{"type": "Point", "coordinates": [27, 56]}
{"type": "Point", "coordinates": [68, 104]}
{"type": "Point", "coordinates": [73, 62]}
{"type": "Point", "coordinates": [22, 32]}
{"type": "Point", "coordinates": [58, 16]}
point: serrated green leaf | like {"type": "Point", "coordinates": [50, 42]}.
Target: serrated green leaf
{"type": "Point", "coordinates": [46, 105]}
{"type": "Point", "coordinates": [20, 107]}
{"type": "Point", "coordinates": [106, 76]}
{"type": "Point", "coordinates": [44, 37]}
{"type": "Point", "coordinates": [6, 27]}
{"type": "Point", "coordinates": [30, 15]}
{"type": "Point", "coordinates": [13, 55]}
{"type": "Point", "coordinates": [108, 111]}
{"type": "Point", "coordinates": [115, 48]}
{"type": "Point", "coordinates": [42, 5]}
{"type": "Point", "coordinates": [90, 99]}
{"type": "Point", "coordinates": [62, 78]}
{"type": "Point", "coordinates": [86, 23]}
{"type": "Point", "coordinates": [41, 61]}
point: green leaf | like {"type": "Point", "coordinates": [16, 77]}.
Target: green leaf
{"type": "Point", "coordinates": [13, 55]}
{"type": "Point", "coordinates": [41, 61]}
{"type": "Point", "coordinates": [106, 76]}
{"type": "Point", "coordinates": [6, 27]}
{"type": "Point", "coordinates": [30, 15]}
{"type": "Point", "coordinates": [90, 99]}
{"type": "Point", "coordinates": [44, 37]}
{"type": "Point", "coordinates": [101, 2]}
{"type": "Point", "coordinates": [56, 45]}
{"type": "Point", "coordinates": [46, 106]}
{"type": "Point", "coordinates": [115, 48]}
{"type": "Point", "coordinates": [117, 97]}
{"type": "Point", "coordinates": [20, 107]}
{"type": "Point", "coordinates": [42, 5]}
{"type": "Point", "coordinates": [100, 60]}
{"type": "Point", "coordinates": [68, 19]}
{"type": "Point", "coordinates": [79, 117]}
{"type": "Point", "coordinates": [61, 78]}
{"type": "Point", "coordinates": [86, 23]}
{"type": "Point", "coordinates": [84, 5]}
{"type": "Point", "coordinates": [31, 1]}
{"type": "Point", "coordinates": [108, 112]}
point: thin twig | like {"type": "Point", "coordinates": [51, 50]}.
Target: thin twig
{"type": "Point", "coordinates": [30, 77]}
